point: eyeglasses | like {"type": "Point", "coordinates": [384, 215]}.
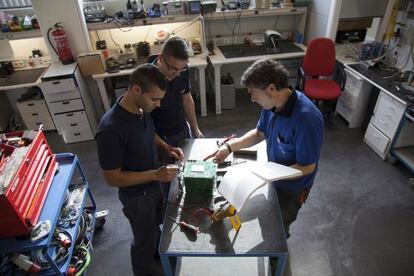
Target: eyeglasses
{"type": "Point", "coordinates": [174, 69]}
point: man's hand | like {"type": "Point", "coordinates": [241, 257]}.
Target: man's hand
{"type": "Point", "coordinates": [176, 153]}
{"type": "Point", "coordinates": [166, 173]}
{"type": "Point", "coordinates": [219, 155]}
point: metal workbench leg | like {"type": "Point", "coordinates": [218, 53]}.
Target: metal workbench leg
{"type": "Point", "coordinates": [103, 93]}
{"type": "Point", "coordinates": [217, 87]}
{"type": "Point", "coordinates": [281, 264]}
{"type": "Point", "coordinates": [202, 80]}
{"type": "Point", "coordinates": [167, 266]}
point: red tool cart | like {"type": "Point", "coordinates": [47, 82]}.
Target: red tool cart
{"type": "Point", "coordinates": [27, 167]}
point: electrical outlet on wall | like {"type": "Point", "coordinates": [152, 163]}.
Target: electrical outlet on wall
{"type": "Point", "coordinates": [18, 64]}
{"type": "Point", "coordinates": [227, 40]}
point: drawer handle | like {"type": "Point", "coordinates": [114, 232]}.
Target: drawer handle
{"type": "Point", "coordinates": [76, 134]}
{"type": "Point", "coordinates": [69, 114]}
{"type": "Point", "coordinates": [74, 124]}
{"type": "Point", "coordinates": [67, 102]}
{"type": "Point", "coordinates": [30, 104]}
{"type": "Point", "coordinates": [35, 114]}
{"type": "Point", "coordinates": [56, 82]}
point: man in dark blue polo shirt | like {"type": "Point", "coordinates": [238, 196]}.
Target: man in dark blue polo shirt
{"type": "Point", "coordinates": [127, 149]}
{"type": "Point", "coordinates": [177, 107]}
{"type": "Point", "coordinates": [292, 127]}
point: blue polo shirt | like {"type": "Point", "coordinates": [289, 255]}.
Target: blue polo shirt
{"type": "Point", "coordinates": [169, 118]}
{"type": "Point", "coordinates": [293, 136]}
{"type": "Point", "coordinates": [126, 140]}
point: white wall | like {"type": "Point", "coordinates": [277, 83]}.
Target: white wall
{"type": "Point", "coordinates": [144, 33]}
{"type": "Point", "coordinates": [70, 14]}
{"type": "Point", "coordinates": [318, 14]}
{"type": "Point", "coordinates": [22, 48]}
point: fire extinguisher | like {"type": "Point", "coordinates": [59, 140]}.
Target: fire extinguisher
{"type": "Point", "coordinates": [61, 44]}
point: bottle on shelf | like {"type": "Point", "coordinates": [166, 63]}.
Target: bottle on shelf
{"type": "Point", "coordinates": [129, 5]}
{"type": "Point", "coordinates": [134, 5]}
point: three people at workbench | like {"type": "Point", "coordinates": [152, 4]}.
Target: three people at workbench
{"type": "Point", "coordinates": [129, 139]}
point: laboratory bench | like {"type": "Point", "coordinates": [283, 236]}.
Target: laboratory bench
{"type": "Point", "coordinates": [198, 62]}
{"type": "Point", "coordinates": [261, 233]}
{"type": "Point", "coordinates": [390, 129]}
{"type": "Point", "coordinates": [290, 56]}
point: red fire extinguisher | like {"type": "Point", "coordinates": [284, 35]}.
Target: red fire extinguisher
{"type": "Point", "coordinates": [61, 44]}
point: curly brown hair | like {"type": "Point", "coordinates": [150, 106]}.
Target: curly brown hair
{"type": "Point", "coordinates": [264, 72]}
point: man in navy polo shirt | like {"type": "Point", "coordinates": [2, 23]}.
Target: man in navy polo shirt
{"type": "Point", "coordinates": [177, 107]}
{"type": "Point", "coordinates": [292, 127]}
{"type": "Point", "coordinates": [127, 149]}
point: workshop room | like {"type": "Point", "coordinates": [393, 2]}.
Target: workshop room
{"type": "Point", "coordinates": [207, 137]}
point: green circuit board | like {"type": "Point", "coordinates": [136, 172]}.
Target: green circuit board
{"type": "Point", "coordinates": [199, 176]}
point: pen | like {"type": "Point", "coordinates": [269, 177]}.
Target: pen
{"type": "Point", "coordinates": [226, 139]}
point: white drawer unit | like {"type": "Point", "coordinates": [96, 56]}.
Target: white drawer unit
{"type": "Point", "coordinates": [66, 106]}
{"type": "Point", "coordinates": [376, 140]}
{"type": "Point", "coordinates": [387, 114]}
{"type": "Point", "coordinates": [35, 113]}
{"type": "Point", "coordinates": [70, 118]}
{"type": "Point", "coordinates": [353, 101]}
{"type": "Point", "coordinates": [384, 122]}
{"type": "Point", "coordinates": [73, 135]}
{"type": "Point", "coordinates": [69, 103]}
{"type": "Point", "coordinates": [32, 106]}
{"type": "Point", "coordinates": [35, 123]}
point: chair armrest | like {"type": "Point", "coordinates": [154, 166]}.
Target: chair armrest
{"type": "Point", "coordinates": [340, 75]}
{"type": "Point", "coordinates": [300, 79]}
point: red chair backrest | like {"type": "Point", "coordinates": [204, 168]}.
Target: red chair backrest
{"type": "Point", "coordinates": [320, 57]}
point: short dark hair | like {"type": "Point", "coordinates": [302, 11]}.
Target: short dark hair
{"type": "Point", "coordinates": [147, 76]}
{"type": "Point", "coordinates": [175, 47]}
{"type": "Point", "coordinates": [264, 72]}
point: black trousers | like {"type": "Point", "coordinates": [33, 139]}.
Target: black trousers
{"type": "Point", "coordinates": [290, 204]}
{"type": "Point", "coordinates": [144, 213]}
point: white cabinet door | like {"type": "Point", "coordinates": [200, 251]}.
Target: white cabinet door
{"type": "Point", "coordinates": [387, 114]}
{"type": "Point", "coordinates": [376, 140]}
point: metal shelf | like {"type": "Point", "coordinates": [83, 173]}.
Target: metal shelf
{"type": "Point", "coordinates": [142, 22]}
{"type": "Point", "coordinates": [406, 156]}
{"type": "Point", "coordinates": [21, 35]}
{"type": "Point", "coordinates": [218, 15]}
{"type": "Point", "coordinates": [54, 202]}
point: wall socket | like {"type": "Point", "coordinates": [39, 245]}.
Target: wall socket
{"type": "Point", "coordinates": [19, 64]}
{"type": "Point", "coordinates": [32, 62]}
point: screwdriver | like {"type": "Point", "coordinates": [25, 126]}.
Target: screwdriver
{"type": "Point", "coordinates": [186, 226]}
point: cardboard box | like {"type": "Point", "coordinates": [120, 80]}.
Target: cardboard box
{"type": "Point", "coordinates": [91, 64]}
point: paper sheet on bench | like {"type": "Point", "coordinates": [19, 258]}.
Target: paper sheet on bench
{"type": "Point", "coordinates": [239, 183]}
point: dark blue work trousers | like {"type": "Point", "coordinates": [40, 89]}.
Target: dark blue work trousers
{"type": "Point", "coordinates": [290, 204]}
{"type": "Point", "coordinates": [144, 213]}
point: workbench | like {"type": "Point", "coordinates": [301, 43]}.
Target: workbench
{"type": "Point", "coordinates": [218, 60]}
{"type": "Point", "coordinates": [388, 131]}
{"type": "Point", "coordinates": [261, 234]}
{"type": "Point", "coordinates": [197, 62]}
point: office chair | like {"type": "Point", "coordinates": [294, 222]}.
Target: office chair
{"type": "Point", "coordinates": [321, 78]}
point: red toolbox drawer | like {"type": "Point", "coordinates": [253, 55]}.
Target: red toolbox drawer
{"type": "Point", "coordinates": [27, 167]}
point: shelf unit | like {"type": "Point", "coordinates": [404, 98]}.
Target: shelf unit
{"type": "Point", "coordinates": [21, 35]}
{"type": "Point", "coordinates": [142, 22]}
{"type": "Point", "coordinates": [69, 167]}
{"type": "Point", "coordinates": [218, 15]}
